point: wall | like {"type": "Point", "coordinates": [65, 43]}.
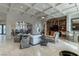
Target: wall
{"type": "Point", "coordinates": [2, 18]}
{"type": "Point", "coordinates": [69, 23]}
{"type": "Point", "coordinates": [75, 34]}
{"type": "Point", "coordinates": [10, 23]}
{"type": "Point", "coordinates": [2, 22]}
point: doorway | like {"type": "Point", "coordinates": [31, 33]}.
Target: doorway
{"type": "Point", "coordinates": [2, 29]}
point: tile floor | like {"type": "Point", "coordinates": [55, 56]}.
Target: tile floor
{"type": "Point", "coordinates": [9, 48]}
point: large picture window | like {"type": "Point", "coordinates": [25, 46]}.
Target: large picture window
{"type": "Point", "coordinates": [20, 25]}
{"type": "Point", "coordinates": [2, 29]}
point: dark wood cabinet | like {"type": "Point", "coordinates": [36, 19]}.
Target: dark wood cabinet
{"type": "Point", "coordinates": [60, 22]}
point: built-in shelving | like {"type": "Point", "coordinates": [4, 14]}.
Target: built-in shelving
{"type": "Point", "coordinates": [61, 22]}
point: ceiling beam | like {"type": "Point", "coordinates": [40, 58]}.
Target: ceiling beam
{"type": "Point", "coordinates": [36, 9]}
{"type": "Point", "coordinates": [57, 9]}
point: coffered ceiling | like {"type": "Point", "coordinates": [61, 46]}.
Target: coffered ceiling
{"type": "Point", "coordinates": [39, 10]}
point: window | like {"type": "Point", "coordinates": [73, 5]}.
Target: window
{"type": "Point", "coordinates": [38, 27]}
{"type": "Point", "coordinates": [2, 29]}
{"type": "Point", "coordinates": [20, 25]}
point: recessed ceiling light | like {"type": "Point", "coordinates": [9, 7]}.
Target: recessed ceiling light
{"type": "Point", "coordinates": [21, 7]}
{"type": "Point", "coordinates": [43, 17]}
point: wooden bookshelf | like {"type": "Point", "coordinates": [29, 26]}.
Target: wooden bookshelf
{"type": "Point", "coordinates": [61, 22]}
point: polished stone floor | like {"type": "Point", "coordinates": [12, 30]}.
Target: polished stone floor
{"type": "Point", "coordinates": [9, 48]}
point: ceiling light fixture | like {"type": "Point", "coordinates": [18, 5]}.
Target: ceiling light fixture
{"type": "Point", "coordinates": [21, 7]}
{"type": "Point", "coordinates": [43, 17]}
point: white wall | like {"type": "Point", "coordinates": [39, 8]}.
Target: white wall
{"type": "Point", "coordinates": [69, 28]}
{"type": "Point", "coordinates": [2, 22]}
{"type": "Point", "coordinates": [10, 23]}
{"type": "Point", "coordinates": [69, 22]}
{"type": "Point", "coordinates": [2, 18]}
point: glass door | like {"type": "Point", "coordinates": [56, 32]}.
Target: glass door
{"type": "Point", "coordinates": [4, 29]}
{"type": "Point", "coordinates": [0, 29]}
